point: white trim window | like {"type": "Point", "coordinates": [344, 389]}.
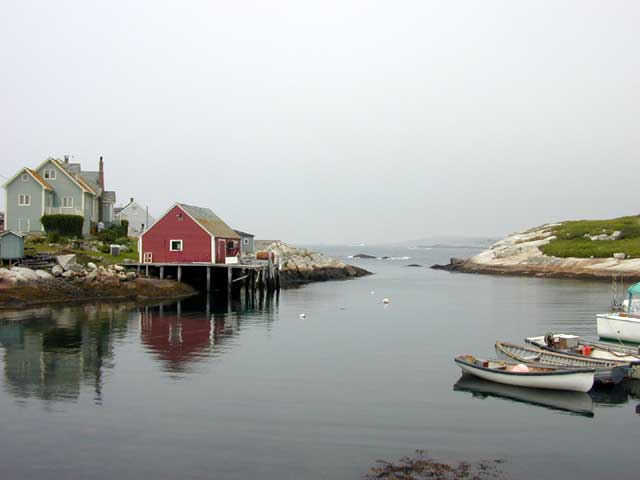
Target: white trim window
{"type": "Point", "coordinates": [67, 202]}
{"type": "Point", "coordinates": [147, 257]}
{"type": "Point", "coordinates": [175, 245]}
{"type": "Point", "coordinates": [245, 241]}
{"type": "Point", "coordinates": [24, 200]}
{"type": "Point", "coordinates": [25, 177]}
{"type": "Point", "coordinates": [49, 174]}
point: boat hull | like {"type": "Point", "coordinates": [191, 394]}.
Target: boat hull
{"type": "Point", "coordinates": [576, 381]}
{"type": "Point", "coordinates": [605, 372]}
{"type": "Point", "coordinates": [616, 327]}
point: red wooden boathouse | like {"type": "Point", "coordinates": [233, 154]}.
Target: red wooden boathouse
{"type": "Point", "coordinates": [188, 234]}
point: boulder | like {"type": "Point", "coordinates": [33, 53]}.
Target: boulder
{"type": "Point", "coordinates": [57, 270]}
{"type": "Point", "coordinates": [122, 277]}
{"type": "Point", "coordinates": [91, 276]}
{"type": "Point", "coordinates": [91, 266]}
{"type": "Point", "coordinates": [76, 267]}
{"type": "Point", "coordinates": [26, 273]}
{"type": "Point", "coordinates": [65, 261]}
{"type": "Point", "coordinates": [67, 274]}
{"type": "Point", "coordinates": [617, 235]}
{"type": "Point", "coordinates": [43, 275]}
{"type": "Point", "coordinates": [132, 275]}
{"type": "Point", "coordinates": [620, 256]}
{"type": "Point", "coordinates": [118, 268]}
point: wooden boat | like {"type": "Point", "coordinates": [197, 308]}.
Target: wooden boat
{"type": "Point", "coordinates": [624, 325]}
{"type": "Point", "coordinates": [577, 403]}
{"type": "Point", "coordinates": [582, 348]}
{"type": "Point", "coordinates": [606, 370]}
{"type": "Point", "coordinates": [546, 377]}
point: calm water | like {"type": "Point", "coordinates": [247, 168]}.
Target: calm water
{"type": "Point", "coordinates": [205, 390]}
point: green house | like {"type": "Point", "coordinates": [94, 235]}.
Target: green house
{"type": "Point", "coordinates": [57, 187]}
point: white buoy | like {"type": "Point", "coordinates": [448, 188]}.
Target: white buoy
{"type": "Point", "coordinates": [302, 315]}
{"type": "Point", "coordinates": [386, 301]}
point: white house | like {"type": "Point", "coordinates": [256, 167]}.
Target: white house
{"type": "Point", "coordinates": [138, 217]}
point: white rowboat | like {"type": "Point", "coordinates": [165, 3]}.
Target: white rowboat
{"type": "Point", "coordinates": [536, 377]}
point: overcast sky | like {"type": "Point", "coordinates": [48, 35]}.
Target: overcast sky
{"type": "Point", "coordinates": [335, 121]}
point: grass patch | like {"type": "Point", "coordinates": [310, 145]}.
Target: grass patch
{"type": "Point", "coordinates": [571, 241]}
{"type": "Point", "coordinates": [84, 256]}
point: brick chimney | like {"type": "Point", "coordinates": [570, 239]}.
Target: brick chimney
{"type": "Point", "coordinates": [101, 185]}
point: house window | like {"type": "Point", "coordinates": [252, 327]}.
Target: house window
{"type": "Point", "coordinates": [25, 177]}
{"type": "Point", "coordinates": [67, 202]}
{"type": "Point", "coordinates": [231, 244]}
{"type": "Point", "coordinates": [49, 174]}
{"type": "Point", "coordinates": [180, 217]}
{"type": "Point", "coordinates": [175, 245]}
{"type": "Point", "coordinates": [148, 257]}
{"type": "Point", "coordinates": [24, 200]}
{"type": "Point", "coordinates": [246, 241]}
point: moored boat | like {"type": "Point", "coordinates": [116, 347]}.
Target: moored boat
{"type": "Point", "coordinates": [583, 348]}
{"type": "Point", "coordinates": [606, 371]}
{"type": "Point", "coordinates": [624, 325]}
{"type": "Point", "coordinates": [531, 376]}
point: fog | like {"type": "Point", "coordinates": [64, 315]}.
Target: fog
{"type": "Point", "coordinates": [335, 121]}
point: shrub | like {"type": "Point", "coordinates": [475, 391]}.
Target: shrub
{"type": "Point", "coordinates": [53, 237]}
{"type": "Point", "coordinates": [114, 233]}
{"type": "Point", "coordinates": [63, 225]}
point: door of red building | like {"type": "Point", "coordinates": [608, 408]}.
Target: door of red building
{"type": "Point", "coordinates": [221, 251]}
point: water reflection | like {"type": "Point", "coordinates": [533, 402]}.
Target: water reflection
{"type": "Point", "coordinates": [577, 403]}
{"type": "Point", "coordinates": [50, 353]}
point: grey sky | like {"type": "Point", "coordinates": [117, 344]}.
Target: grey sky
{"type": "Point", "coordinates": [335, 121]}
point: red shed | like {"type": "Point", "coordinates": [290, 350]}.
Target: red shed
{"type": "Point", "coordinates": [188, 234]}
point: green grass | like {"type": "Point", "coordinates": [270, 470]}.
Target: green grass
{"type": "Point", "coordinates": [572, 243]}
{"type": "Point", "coordinates": [84, 256]}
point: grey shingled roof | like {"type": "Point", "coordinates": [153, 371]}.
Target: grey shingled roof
{"type": "Point", "coordinates": [243, 234]}
{"type": "Point", "coordinates": [210, 221]}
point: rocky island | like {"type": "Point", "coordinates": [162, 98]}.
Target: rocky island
{"type": "Point", "coordinates": [597, 249]}
{"type": "Point", "coordinates": [301, 266]}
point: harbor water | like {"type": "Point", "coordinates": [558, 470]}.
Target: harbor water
{"type": "Point", "coordinates": [319, 382]}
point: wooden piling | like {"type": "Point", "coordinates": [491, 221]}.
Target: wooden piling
{"type": "Point", "coordinates": [179, 273]}
{"type": "Point", "coordinates": [161, 273]}
{"type": "Point", "coordinates": [208, 279]}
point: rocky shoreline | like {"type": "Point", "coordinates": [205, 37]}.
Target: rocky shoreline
{"type": "Point", "coordinates": [519, 254]}
{"type": "Point", "coordinates": [70, 281]}
{"type": "Point", "coordinates": [300, 266]}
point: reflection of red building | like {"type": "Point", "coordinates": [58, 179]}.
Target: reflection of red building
{"type": "Point", "coordinates": [177, 341]}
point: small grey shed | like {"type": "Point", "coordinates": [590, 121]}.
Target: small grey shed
{"type": "Point", "coordinates": [246, 242]}
{"type": "Point", "coordinates": [11, 245]}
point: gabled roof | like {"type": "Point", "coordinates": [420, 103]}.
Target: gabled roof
{"type": "Point", "coordinates": [33, 174]}
{"type": "Point", "coordinates": [77, 179]}
{"type": "Point", "coordinates": [243, 234]}
{"type": "Point", "coordinates": [7, 232]}
{"type": "Point", "coordinates": [209, 221]}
